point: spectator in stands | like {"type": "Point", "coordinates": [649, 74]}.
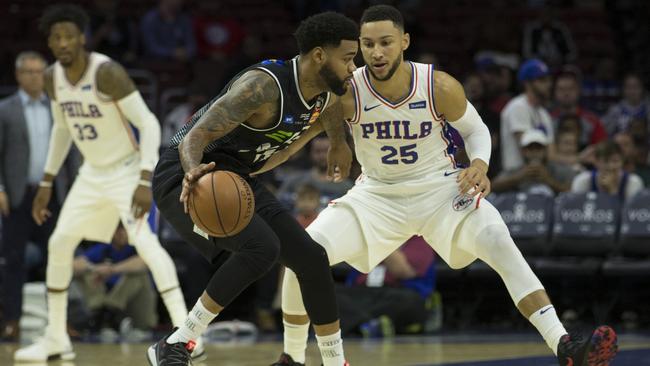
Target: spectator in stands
{"type": "Point", "coordinates": [567, 102]}
{"type": "Point", "coordinates": [537, 175]}
{"type": "Point", "coordinates": [526, 112]}
{"type": "Point", "coordinates": [567, 146]}
{"type": "Point", "coordinates": [316, 176]}
{"type": "Point", "coordinates": [177, 117]}
{"type": "Point", "coordinates": [549, 39]}
{"type": "Point", "coordinates": [635, 156]}
{"type": "Point", "coordinates": [249, 53]}
{"type": "Point", "coordinates": [25, 124]}
{"type": "Point", "coordinates": [116, 284]}
{"type": "Point", "coordinates": [609, 175]}
{"type": "Point", "coordinates": [603, 89]}
{"type": "Point", "coordinates": [392, 296]}
{"type": "Point", "coordinates": [475, 92]}
{"type": "Point", "coordinates": [111, 33]}
{"type": "Point", "coordinates": [634, 105]}
{"type": "Point", "coordinates": [495, 71]}
{"type": "Point", "coordinates": [307, 204]}
{"type": "Point", "coordinates": [167, 32]}
{"type": "Point", "coordinates": [218, 34]}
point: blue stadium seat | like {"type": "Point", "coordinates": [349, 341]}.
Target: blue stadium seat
{"type": "Point", "coordinates": [585, 224]}
{"type": "Point", "coordinates": [528, 217]}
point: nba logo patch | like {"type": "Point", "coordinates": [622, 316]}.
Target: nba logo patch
{"type": "Point", "coordinates": [461, 202]}
{"type": "Point", "coordinates": [86, 87]}
{"type": "Point", "coordinates": [288, 119]}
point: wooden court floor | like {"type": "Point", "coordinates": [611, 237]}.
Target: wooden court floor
{"type": "Point", "coordinates": [423, 351]}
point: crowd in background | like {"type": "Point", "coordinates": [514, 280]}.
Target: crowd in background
{"type": "Point", "coordinates": [560, 121]}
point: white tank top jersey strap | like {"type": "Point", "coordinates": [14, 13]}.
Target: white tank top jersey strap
{"type": "Point", "coordinates": [400, 141]}
{"type": "Point", "coordinates": [97, 126]}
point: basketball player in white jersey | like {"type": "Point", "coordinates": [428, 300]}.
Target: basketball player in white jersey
{"type": "Point", "coordinates": [93, 102]}
{"type": "Point", "coordinates": [399, 115]}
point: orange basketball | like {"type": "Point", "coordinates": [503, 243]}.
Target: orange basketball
{"type": "Point", "coordinates": [221, 204]}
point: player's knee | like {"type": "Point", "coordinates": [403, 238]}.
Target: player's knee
{"type": "Point", "coordinates": [61, 247]}
{"type": "Point", "coordinates": [496, 239]}
{"type": "Point", "coordinates": [311, 258]}
{"type": "Point", "coordinates": [262, 255]}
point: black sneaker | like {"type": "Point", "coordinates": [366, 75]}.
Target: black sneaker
{"type": "Point", "coordinates": [165, 354]}
{"type": "Point", "coordinates": [598, 350]}
{"type": "Point", "coordinates": [286, 360]}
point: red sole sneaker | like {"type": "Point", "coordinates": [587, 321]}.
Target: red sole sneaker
{"type": "Point", "coordinates": [603, 347]}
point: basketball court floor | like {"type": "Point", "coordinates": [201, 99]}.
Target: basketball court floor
{"type": "Point", "coordinates": [456, 350]}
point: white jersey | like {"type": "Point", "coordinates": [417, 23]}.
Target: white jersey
{"type": "Point", "coordinates": [98, 128]}
{"type": "Point", "coordinates": [402, 141]}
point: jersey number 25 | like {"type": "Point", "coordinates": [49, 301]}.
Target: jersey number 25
{"type": "Point", "coordinates": [407, 154]}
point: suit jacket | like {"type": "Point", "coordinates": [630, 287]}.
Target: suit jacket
{"type": "Point", "coordinates": [14, 154]}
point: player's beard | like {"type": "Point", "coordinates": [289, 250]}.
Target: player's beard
{"type": "Point", "coordinates": [390, 73]}
{"type": "Point", "coordinates": [336, 85]}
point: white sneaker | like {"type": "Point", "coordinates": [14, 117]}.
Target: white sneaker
{"type": "Point", "coordinates": [198, 354]}
{"type": "Point", "coordinates": [46, 348]}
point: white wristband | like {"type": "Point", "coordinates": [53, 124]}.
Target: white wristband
{"type": "Point", "coordinates": [144, 182]}
{"type": "Point", "coordinates": [45, 184]}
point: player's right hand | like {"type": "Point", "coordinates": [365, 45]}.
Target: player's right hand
{"type": "Point", "coordinates": [4, 204]}
{"type": "Point", "coordinates": [190, 179]}
{"type": "Point", "coordinates": [40, 213]}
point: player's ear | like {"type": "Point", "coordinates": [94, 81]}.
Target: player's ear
{"type": "Point", "coordinates": [319, 55]}
{"type": "Point", "coordinates": [406, 41]}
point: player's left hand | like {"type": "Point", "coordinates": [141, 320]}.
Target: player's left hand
{"type": "Point", "coordinates": [142, 199]}
{"type": "Point", "coordinates": [474, 177]}
{"type": "Point", "coordinates": [339, 160]}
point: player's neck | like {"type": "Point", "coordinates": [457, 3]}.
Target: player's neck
{"type": "Point", "coordinates": [309, 86]}
{"type": "Point", "coordinates": [75, 71]}
{"type": "Point", "coordinates": [398, 86]}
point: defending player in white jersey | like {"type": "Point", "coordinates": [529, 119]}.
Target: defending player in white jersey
{"type": "Point", "coordinates": [399, 114]}
{"type": "Point", "coordinates": [93, 102]}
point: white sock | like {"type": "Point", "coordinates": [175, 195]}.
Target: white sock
{"type": "Point", "coordinates": [175, 304]}
{"type": "Point", "coordinates": [331, 349]}
{"type": "Point", "coordinates": [195, 323]}
{"type": "Point", "coordinates": [295, 340]}
{"type": "Point", "coordinates": [57, 313]}
{"type": "Point", "coordinates": [548, 325]}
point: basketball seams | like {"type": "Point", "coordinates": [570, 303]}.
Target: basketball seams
{"type": "Point", "coordinates": [238, 199]}
{"type": "Point", "coordinates": [216, 206]}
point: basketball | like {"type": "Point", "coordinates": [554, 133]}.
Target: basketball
{"type": "Point", "coordinates": [221, 204]}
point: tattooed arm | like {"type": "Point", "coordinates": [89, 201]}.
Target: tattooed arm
{"type": "Point", "coordinates": [250, 92]}
{"type": "Point", "coordinates": [248, 95]}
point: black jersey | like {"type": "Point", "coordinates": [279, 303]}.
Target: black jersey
{"type": "Point", "coordinates": [251, 147]}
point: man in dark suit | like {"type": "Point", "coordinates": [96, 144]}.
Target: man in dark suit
{"type": "Point", "coordinates": [25, 123]}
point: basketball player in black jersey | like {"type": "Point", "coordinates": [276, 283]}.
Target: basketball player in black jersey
{"type": "Point", "coordinates": [261, 111]}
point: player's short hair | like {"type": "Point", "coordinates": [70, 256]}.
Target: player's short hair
{"type": "Point", "coordinates": [63, 13]}
{"type": "Point", "coordinates": [325, 29]}
{"type": "Point", "coordinates": [605, 150]}
{"type": "Point", "coordinates": [379, 13]}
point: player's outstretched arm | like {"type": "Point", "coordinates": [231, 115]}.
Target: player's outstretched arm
{"type": "Point", "coordinates": [60, 142]}
{"type": "Point", "coordinates": [247, 96]}
{"type": "Point", "coordinates": [339, 155]}
{"type": "Point", "coordinates": [460, 113]}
